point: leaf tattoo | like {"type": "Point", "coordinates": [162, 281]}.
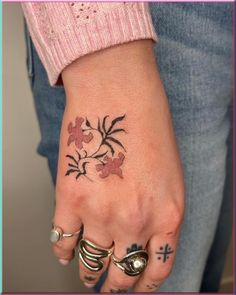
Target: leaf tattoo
{"type": "Point", "coordinates": [87, 123]}
{"type": "Point", "coordinates": [114, 122]}
{"type": "Point", "coordinates": [116, 141]}
{"type": "Point", "coordinates": [110, 147]}
{"type": "Point", "coordinates": [104, 123]}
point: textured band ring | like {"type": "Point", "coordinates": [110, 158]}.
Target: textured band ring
{"type": "Point", "coordinates": [57, 234]}
{"type": "Point", "coordinates": [93, 260]}
{"type": "Point", "coordinates": [133, 263]}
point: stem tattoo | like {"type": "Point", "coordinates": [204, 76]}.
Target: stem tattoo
{"type": "Point", "coordinates": [104, 156]}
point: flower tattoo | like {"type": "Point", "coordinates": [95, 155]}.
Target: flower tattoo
{"type": "Point", "coordinates": [112, 166]}
{"type": "Point", "coordinates": [77, 135]}
{"type": "Point", "coordinates": [107, 156]}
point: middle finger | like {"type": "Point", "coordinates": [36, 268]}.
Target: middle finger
{"type": "Point", "coordinates": [98, 240]}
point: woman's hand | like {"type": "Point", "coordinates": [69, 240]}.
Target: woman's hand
{"type": "Point", "coordinates": [119, 171]}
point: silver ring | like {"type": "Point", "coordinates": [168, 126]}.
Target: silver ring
{"type": "Point", "coordinates": [133, 263]}
{"type": "Point", "coordinates": [95, 257]}
{"type": "Point", "coordinates": [57, 234]}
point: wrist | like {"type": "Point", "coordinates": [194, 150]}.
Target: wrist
{"type": "Point", "coordinates": [111, 71]}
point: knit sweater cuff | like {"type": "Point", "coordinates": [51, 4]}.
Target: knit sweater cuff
{"type": "Point", "coordinates": [60, 39]}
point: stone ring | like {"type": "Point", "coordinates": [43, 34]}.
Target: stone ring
{"type": "Point", "coordinates": [57, 234]}
{"type": "Point", "coordinates": [133, 263]}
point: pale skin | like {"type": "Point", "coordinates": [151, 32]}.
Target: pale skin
{"type": "Point", "coordinates": [145, 206]}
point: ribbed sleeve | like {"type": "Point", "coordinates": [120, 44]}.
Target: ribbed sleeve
{"type": "Point", "coordinates": [65, 31]}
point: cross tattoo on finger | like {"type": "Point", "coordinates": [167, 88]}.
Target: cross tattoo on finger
{"type": "Point", "coordinates": [164, 253]}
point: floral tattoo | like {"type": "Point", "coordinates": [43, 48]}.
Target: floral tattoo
{"type": "Point", "coordinates": [107, 159]}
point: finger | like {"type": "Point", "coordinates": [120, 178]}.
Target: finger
{"type": "Point", "coordinates": [102, 240]}
{"type": "Point", "coordinates": [117, 281]}
{"type": "Point", "coordinates": [162, 251]}
{"type": "Point", "coordinates": [69, 223]}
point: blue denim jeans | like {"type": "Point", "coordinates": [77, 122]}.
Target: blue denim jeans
{"type": "Point", "coordinates": [194, 56]}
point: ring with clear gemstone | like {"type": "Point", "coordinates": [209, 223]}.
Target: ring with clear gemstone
{"type": "Point", "coordinates": [57, 234]}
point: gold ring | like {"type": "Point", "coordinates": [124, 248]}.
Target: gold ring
{"type": "Point", "coordinates": [96, 256]}
{"type": "Point", "coordinates": [58, 234]}
{"type": "Point", "coordinates": [133, 263]}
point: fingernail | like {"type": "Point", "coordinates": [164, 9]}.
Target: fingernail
{"type": "Point", "coordinates": [64, 261]}
{"type": "Point", "coordinates": [89, 285]}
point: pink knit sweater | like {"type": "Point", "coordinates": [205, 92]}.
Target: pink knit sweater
{"type": "Point", "coordinates": [65, 31]}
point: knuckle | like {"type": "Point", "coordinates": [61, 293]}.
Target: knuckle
{"type": "Point", "coordinates": [177, 220]}
{"type": "Point", "coordinates": [174, 217]}
{"type": "Point", "coordinates": [176, 210]}
{"type": "Point", "coordinates": [134, 219]}
{"type": "Point", "coordinates": [64, 190]}
{"type": "Point", "coordinates": [57, 249]}
{"type": "Point", "coordinates": [178, 213]}
{"type": "Point", "coordinates": [165, 273]}
{"type": "Point", "coordinates": [84, 272]}
{"type": "Point", "coordinates": [69, 194]}
{"type": "Point", "coordinates": [136, 224]}
{"type": "Point", "coordinates": [154, 277]}
{"type": "Point", "coordinates": [65, 247]}
{"type": "Point", "coordinates": [56, 252]}
{"type": "Point", "coordinates": [103, 215]}
{"type": "Point", "coordinates": [61, 253]}
{"type": "Point", "coordinates": [122, 283]}
{"type": "Point", "coordinates": [177, 203]}
{"type": "Point", "coordinates": [161, 275]}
